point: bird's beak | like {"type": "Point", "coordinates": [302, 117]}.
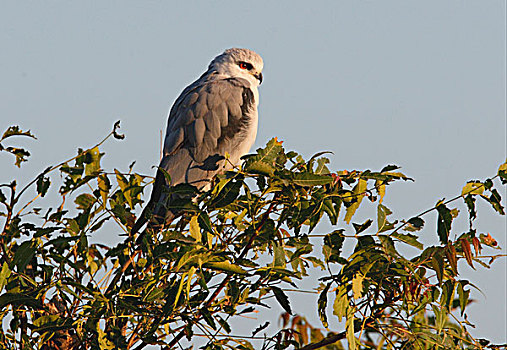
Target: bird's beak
{"type": "Point", "coordinates": [259, 77]}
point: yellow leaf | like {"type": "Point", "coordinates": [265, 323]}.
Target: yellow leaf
{"type": "Point", "coordinates": [104, 343]}
{"type": "Point", "coordinates": [189, 279]}
{"type": "Point", "coordinates": [358, 191]}
{"type": "Point", "coordinates": [381, 190]}
{"type": "Point", "coordinates": [195, 229]}
{"type": "Point", "coordinates": [357, 285]}
{"type": "Point", "coordinates": [472, 188]}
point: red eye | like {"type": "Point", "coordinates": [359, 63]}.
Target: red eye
{"type": "Point", "coordinates": [243, 65]}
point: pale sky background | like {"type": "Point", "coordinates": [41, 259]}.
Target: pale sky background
{"type": "Point", "coordinates": [418, 84]}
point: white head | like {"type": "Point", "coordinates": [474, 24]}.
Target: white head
{"type": "Point", "coordinates": [241, 63]}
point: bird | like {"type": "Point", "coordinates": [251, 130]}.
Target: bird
{"type": "Point", "coordinates": [213, 117]}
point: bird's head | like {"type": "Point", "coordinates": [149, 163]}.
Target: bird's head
{"type": "Point", "coordinates": [239, 63]}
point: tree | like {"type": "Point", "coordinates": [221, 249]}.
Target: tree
{"type": "Point", "coordinates": [247, 239]}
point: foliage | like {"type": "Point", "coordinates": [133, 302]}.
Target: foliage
{"type": "Point", "coordinates": [246, 240]}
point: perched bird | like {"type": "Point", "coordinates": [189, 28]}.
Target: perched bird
{"type": "Point", "coordinates": [215, 115]}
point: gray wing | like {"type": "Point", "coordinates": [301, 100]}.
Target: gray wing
{"type": "Point", "coordinates": [207, 120]}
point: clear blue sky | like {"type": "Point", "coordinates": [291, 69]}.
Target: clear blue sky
{"type": "Point", "coordinates": [418, 84]}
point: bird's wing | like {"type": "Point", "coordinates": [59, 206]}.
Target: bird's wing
{"type": "Point", "coordinates": [207, 120]}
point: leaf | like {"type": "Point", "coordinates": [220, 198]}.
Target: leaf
{"type": "Point", "coordinates": [225, 266]}
{"type": "Point", "coordinates": [264, 161]}
{"type": "Point", "coordinates": [104, 343]}
{"type": "Point", "coordinates": [444, 222]}
{"type": "Point", "coordinates": [414, 224]}
{"type": "Point", "coordinates": [333, 243]}
{"type": "Point", "coordinates": [450, 253]}
{"type": "Point", "coordinates": [92, 161]}
{"type": "Point", "coordinates": [472, 187]}
{"type": "Point", "coordinates": [357, 285]}
{"type": "Point", "coordinates": [4, 275]}
{"type": "Point", "coordinates": [278, 256]}
{"type": "Point", "coordinates": [388, 245]}
{"type": "Point", "coordinates": [20, 154]}
{"type": "Point", "coordinates": [24, 255]}
{"type": "Point", "coordinates": [282, 299]}
{"type": "Point", "coordinates": [123, 183]}
{"type": "Point", "coordinates": [322, 304]}
{"type": "Point", "coordinates": [195, 230]}
{"type": "Point", "coordinates": [438, 265]}
{"type": "Point", "coordinates": [227, 194]}
{"type": "Point", "coordinates": [495, 200]}
{"type": "Point", "coordinates": [341, 303]}
{"type": "Point", "coordinates": [205, 222]}
{"type": "Point", "coordinates": [467, 252]}
{"type": "Point", "coordinates": [19, 299]}
{"type": "Point", "coordinates": [349, 324]}
{"type": "Point", "coordinates": [389, 167]}
{"type": "Point", "coordinates": [260, 328]}
{"type": "Point", "coordinates": [358, 191]}
{"type": "Point", "coordinates": [309, 179]}
{"type": "Point", "coordinates": [408, 239]}
{"type": "Point", "coordinates": [104, 187]}
{"type": "Point", "coordinates": [381, 190]}
{"type": "Point", "coordinates": [84, 201]}
{"type": "Point", "coordinates": [502, 172]}
{"type": "Point", "coordinates": [16, 131]}
{"type": "Point", "coordinates": [463, 296]}
{"type": "Point", "coordinates": [43, 183]}
{"type": "Point", "coordinates": [382, 213]}
{"type": "Point", "coordinates": [116, 135]}
{"type": "Point", "coordinates": [361, 227]}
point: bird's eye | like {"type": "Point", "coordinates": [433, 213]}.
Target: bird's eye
{"type": "Point", "coordinates": [245, 65]}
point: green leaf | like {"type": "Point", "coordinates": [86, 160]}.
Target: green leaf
{"type": "Point", "coordinates": [282, 299]}
{"type": "Point", "coordinates": [388, 245]}
{"type": "Point", "coordinates": [264, 161]}
{"type": "Point", "coordinates": [208, 318]}
{"type": "Point", "coordinates": [408, 239]}
{"type": "Point", "coordinates": [19, 299]}
{"type": "Point", "coordinates": [382, 223]}
{"type": "Point", "coordinates": [24, 255]}
{"type": "Point", "coordinates": [333, 243]}
{"type": "Point", "coordinates": [227, 194]}
{"type": "Point", "coordinates": [437, 261]}
{"type": "Point", "coordinates": [310, 180]}
{"type": "Point", "coordinates": [20, 153]}
{"type": "Point", "coordinates": [43, 183]}
{"type": "Point", "coordinates": [414, 224]}
{"type": "Point", "coordinates": [84, 201]}
{"type": "Point", "coordinates": [361, 227]}
{"type": "Point", "coordinates": [495, 200]}
{"type": "Point", "coordinates": [16, 131]}
{"type": "Point", "coordinates": [279, 256]}
{"type": "Point", "coordinates": [463, 296]}
{"type": "Point", "coordinates": [444, 222]}
{"type": "Point", "coordinates": [322, 304]}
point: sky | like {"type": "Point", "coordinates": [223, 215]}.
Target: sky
{"type": "Point", "coordinates": [417, 84]}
